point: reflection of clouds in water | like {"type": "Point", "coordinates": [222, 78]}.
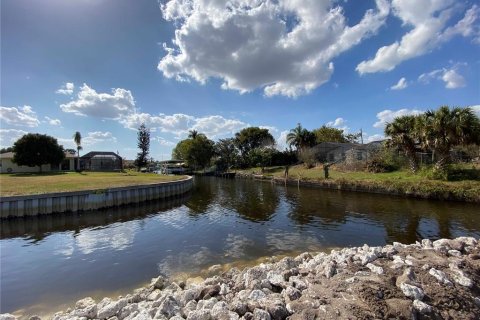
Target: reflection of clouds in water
{"type": "Point", "coordinates": [116, 237]}
{"type": "Point", "coordinates": [185, 262]}
{"type": "Point", "coordinates": [64, 245]}
{"type": "Point", "coordinates": [291, 241]}
{"type": "Point", "coordinates": [174, 219]}
{"type": "Point", "coordinates": [236, 245]}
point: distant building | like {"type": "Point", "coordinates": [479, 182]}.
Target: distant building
{"type": "Point", "coordinates": [173, 167]}
{"type": "Point", "coordinates": [8, 166]}
{"type": "Point", "coordinates": [351, 152]}
{"type": "Point", "coordinates": [101, 161]}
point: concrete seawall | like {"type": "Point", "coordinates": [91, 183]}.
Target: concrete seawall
{"type": "Point", "coordinates": [39, 204]}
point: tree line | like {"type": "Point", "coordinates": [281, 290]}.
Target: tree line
{"type": "Point", "coordinates": [436, 132]}
{"type": "Point", "coordinates": [253, 147]}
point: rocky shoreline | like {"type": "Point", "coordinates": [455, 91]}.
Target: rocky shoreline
{"type": "Point", "coordinates": [427, 280]}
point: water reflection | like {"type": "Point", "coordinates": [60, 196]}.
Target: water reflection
{"type": "Point", "coordinates": [37, 228]}
{"type": "Point", "coordinates": [51, 260]}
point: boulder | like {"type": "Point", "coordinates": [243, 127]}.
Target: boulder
{"type": "Point", "coordinates": [413, 292]}
{"type": "Point", "coordinates": [422, 307]}
{"type": "Point", "coordinates": [374, 268]}
{"type": "Point", "coordinates": [85, 308]}
{"type": "Point", "coordinates": [199, 315]}
{"type": "Point", "coordinates": [291, 293]}
{"type": "Point", "coordinates": [275, 278]}
{"type": "Point", "coordinates": [259, 314]}
{"type": "Point", "coordinates": [159, 282]}
{"type": "Point", "coordinates": [108, 308]}
{"type": "Point", "coordinates": [440, 276]}
{"type": "Point", "coordinates": [277, 309]}
{"type": "Point", "coordinates": [169, 307]}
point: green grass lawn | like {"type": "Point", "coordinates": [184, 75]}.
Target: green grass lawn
{"type": "Point", "coordinates": [34, 183]}
{"type": "Point", "coordinates": [399, 181]}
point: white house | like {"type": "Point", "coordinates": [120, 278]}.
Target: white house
{"type": "Point", "coordinates": [7, 165]}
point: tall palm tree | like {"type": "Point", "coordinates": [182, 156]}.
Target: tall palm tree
{"type": "Point", "coordinates": [300, 137]}
{"type": "Point", "coordinates": [403, 134]}
{"type": "Point", "coordinates": [192, 134]}
{"type": "Point", "coordinates": [77, 138]}
{"type": "Point", "coordinates": [445, 128]}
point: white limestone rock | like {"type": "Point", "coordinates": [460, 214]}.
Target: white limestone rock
{"type": "Point", "coordinates": [199, 315]}
{"type": "Point", "coordinates": [411, 291]}
{"type": "Point", "coordinates": [260, 314]}
{"type": "Point", "coordinates": [256, 295]}
{"type": "Point", "coordinates": [460, 278]}
{"type": "Point", "coordinates": [374, 268]}
{"type": "Point", "coordinates": [422, 307]}
{"type": "Point", "coordinates": [85, 308]}
{"type": "Point", "coordinates": [275, 278]}
{"type": "Point", "coordinates": [108, 308]}
{"type": "Point", "coordinates": [142, 315]}
{"type": "Point", "coordinates": [440, 276]}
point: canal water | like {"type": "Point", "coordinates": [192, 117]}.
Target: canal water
{"type": "Point", "coordinates": [49, 262]}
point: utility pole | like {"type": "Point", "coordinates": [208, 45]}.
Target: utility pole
{"type": "Point", "coordinates": [361, 135]}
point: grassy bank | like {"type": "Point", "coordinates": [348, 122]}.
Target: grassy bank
{"type": "Point", "coordinates": [23, 184]}
{"type": "Point", "coordinates": [398, 182]}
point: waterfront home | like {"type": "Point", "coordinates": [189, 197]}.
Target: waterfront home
{"type": "Point", "coordinates": [351, 152]}
{"type": "Point", "coordinates": [8, 166]}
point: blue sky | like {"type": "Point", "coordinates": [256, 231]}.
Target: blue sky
{"type": "Point", "coordinates": [102, 67]}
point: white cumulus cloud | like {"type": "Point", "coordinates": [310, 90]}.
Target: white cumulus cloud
{"type": "Point", "coordinates": [428, 20]}
{"type": "Point", "coordinates": [386, 116]}
{"type": "Point", "coordinates": [66, 89]}
{"type": "Point", "coordinates": [401, 84]}
{"type": "Point", "coordinates": [102, 105]}
{"type": "Point", "coordinates": [282, 140]}
{"type": "Point", "coordinates": [285, 47]}
{"type": "Point", "coordinates": [97, 137]}
{"type": "Point", "coordinates": [339, 123]}
{"type": "Point", "coordinates": [53, 122]}
{"type": "Point", "coordinates": [19, 116]}
{"type": "Point", "coordinates": [452, 78]}
{"type": "Point", "coordinates": [9, 136]}
{"type": "Point", "coordinates": [476, 109]}
{"type": "Point", "coordinates": [164, 142]}
{"type": "Point", "coordinates": [213, 126]}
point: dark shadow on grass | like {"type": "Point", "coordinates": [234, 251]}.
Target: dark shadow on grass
{"type": "Point", "coordinates": [38, 174]}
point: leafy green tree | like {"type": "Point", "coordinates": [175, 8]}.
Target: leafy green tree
{"type": "Point", "coordinates": [196, 152]}
{"type": "Point", "coordinates": [35, 149]}
{"type": "Point", "coordinates": [403, 134]}
{"type": "Point", "coordinates": [441, 130]}
{"type": "Point", "coordinates": [251, 138]}
{"type": "Point", "coordinates": [143, 143]}
{"type": "Point", "coordinates": [328, 134]}
{"type": "Point", "coordinates": [227, 154]}
{"type": "Point", "coordinates": [77, 138]}
{"type": "Point", "coordinates": [300, 137]}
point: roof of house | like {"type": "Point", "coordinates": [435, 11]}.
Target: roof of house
{"type": "Point", "coordinates": [92, 154]}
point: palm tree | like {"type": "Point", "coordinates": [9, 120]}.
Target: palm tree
{"type": "Point", "coordinates": [192, 134]}
{"type": "Point", "coordinates": [300, 137]}
{"type": "Point", "coordinates": [445, 128]}
{"type": "Point", "coordinates": [77, 138]}
{"type": "Point", "coordinates": [403, 134]}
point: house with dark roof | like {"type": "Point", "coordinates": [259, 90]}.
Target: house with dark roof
{"type": "Point", "coordinates": [101, 161]}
